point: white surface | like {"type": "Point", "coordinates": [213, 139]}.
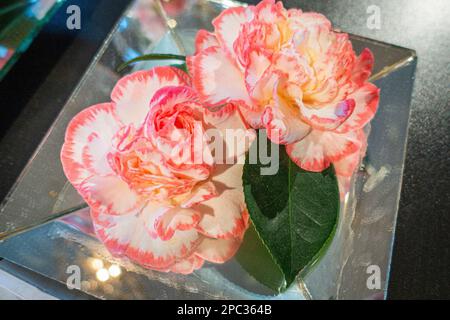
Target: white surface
{"type": "Point", "coordinates": [12, 288]}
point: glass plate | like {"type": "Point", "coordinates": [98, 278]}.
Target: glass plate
{"type": "Point", "coordinates": [363, 242]}
{"type": "Point", "coordinates": [20, 22]}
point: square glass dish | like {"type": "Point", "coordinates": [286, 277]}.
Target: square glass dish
{"type": "Point", "coordinates": [45, 227]}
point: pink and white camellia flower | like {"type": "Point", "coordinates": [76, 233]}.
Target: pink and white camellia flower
{"type": "Point", "coordinates": [292, 74]}
{"type": "Point", "coordinates": [130, 159]}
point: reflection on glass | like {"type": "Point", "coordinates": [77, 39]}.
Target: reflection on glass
{"type": "Point", "coordinates": [20, 21]}
{"type": "Point", "coordinates": [102, 275]}
{"type": "Point", "coordinates": [115, 271]}
{"type": "Point", "coordinates": [97, 264]}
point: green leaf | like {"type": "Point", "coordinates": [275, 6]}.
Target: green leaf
{"type": "Point", "coordinates": [152, 57]}
{"type": "Point", "coordinates": [182, 67]}
{"type": "Point", "coordinates": [256, 259]}
{"type": "Point", "coordinates": [294, 212]}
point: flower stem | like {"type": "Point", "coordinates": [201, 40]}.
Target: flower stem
{"type": "Point", "coordinates": [152, 57]}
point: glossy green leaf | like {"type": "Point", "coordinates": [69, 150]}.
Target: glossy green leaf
{"type": "Point", "coordinates": [256, 259]}
{"type": "Point", "coordinates": [294, 212]}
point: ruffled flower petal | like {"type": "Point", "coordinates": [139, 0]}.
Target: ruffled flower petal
{"type": "Point", "coordinates": [109, 193]}
{"type": "Point", "coordinates": [346, 167]}
{"type": "Point", "coordinates": [230, 129]}
{"type": "Point", "coordinates": [363, 67]}
{"type": "Point", "coordinates": [309, 20]}
{"type": "Point", "coordinates": [134, 236]}
{"type": "Point", "coordinates": [284, 125]}
{"type": "Point", "coordinates": [218, 250]}
{"type": "Point", "coordinates": [188, 265]}
{"type": "Point", "coordinates": [270, 11]}
{"type": "Point", "coordinates": [88, 140]}
{"type": "Point", "coordinates": [169, 96]}
{"type": "Point", "coordinates": [204, 40]}
{"type": "Point", "coordinates": [366, 103]}
{"type": "Point", "coordinates": [176, 219]}
{"type": "Point", "coordinates": [259, 63]}
{"type": "Point", "coordinates": [349, 164]}
{"type": "Point", "coordinates": [228, 25]}
{"type": "Point", "coordinates": [327, 117]}
{"type": "Point", "coordinates": [224, 216]}
{"type": "Point", "coordinates": [216, 79]}
{"type": "Point", "coordinates": [253, 118]}
{"type": "Point", "coordinates": [200, 194]}
{"type": "Point", "coordinates": [133, 93]}
{"type": "Point", "coordinates": [320, 148]}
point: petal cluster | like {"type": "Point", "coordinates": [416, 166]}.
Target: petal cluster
{"type": "Point", "coordinates": [291, 73]}
{"type": "Point", "coordinates": [157, 194]}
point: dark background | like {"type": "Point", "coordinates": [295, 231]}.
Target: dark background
{"type": "Point", "coordinates": [33, 92]}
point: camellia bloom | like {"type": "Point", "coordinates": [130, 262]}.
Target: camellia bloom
{"type": "Point", "coordinates": [292, 74]}
{"type": "Point", "coordinates": [131, 160]}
